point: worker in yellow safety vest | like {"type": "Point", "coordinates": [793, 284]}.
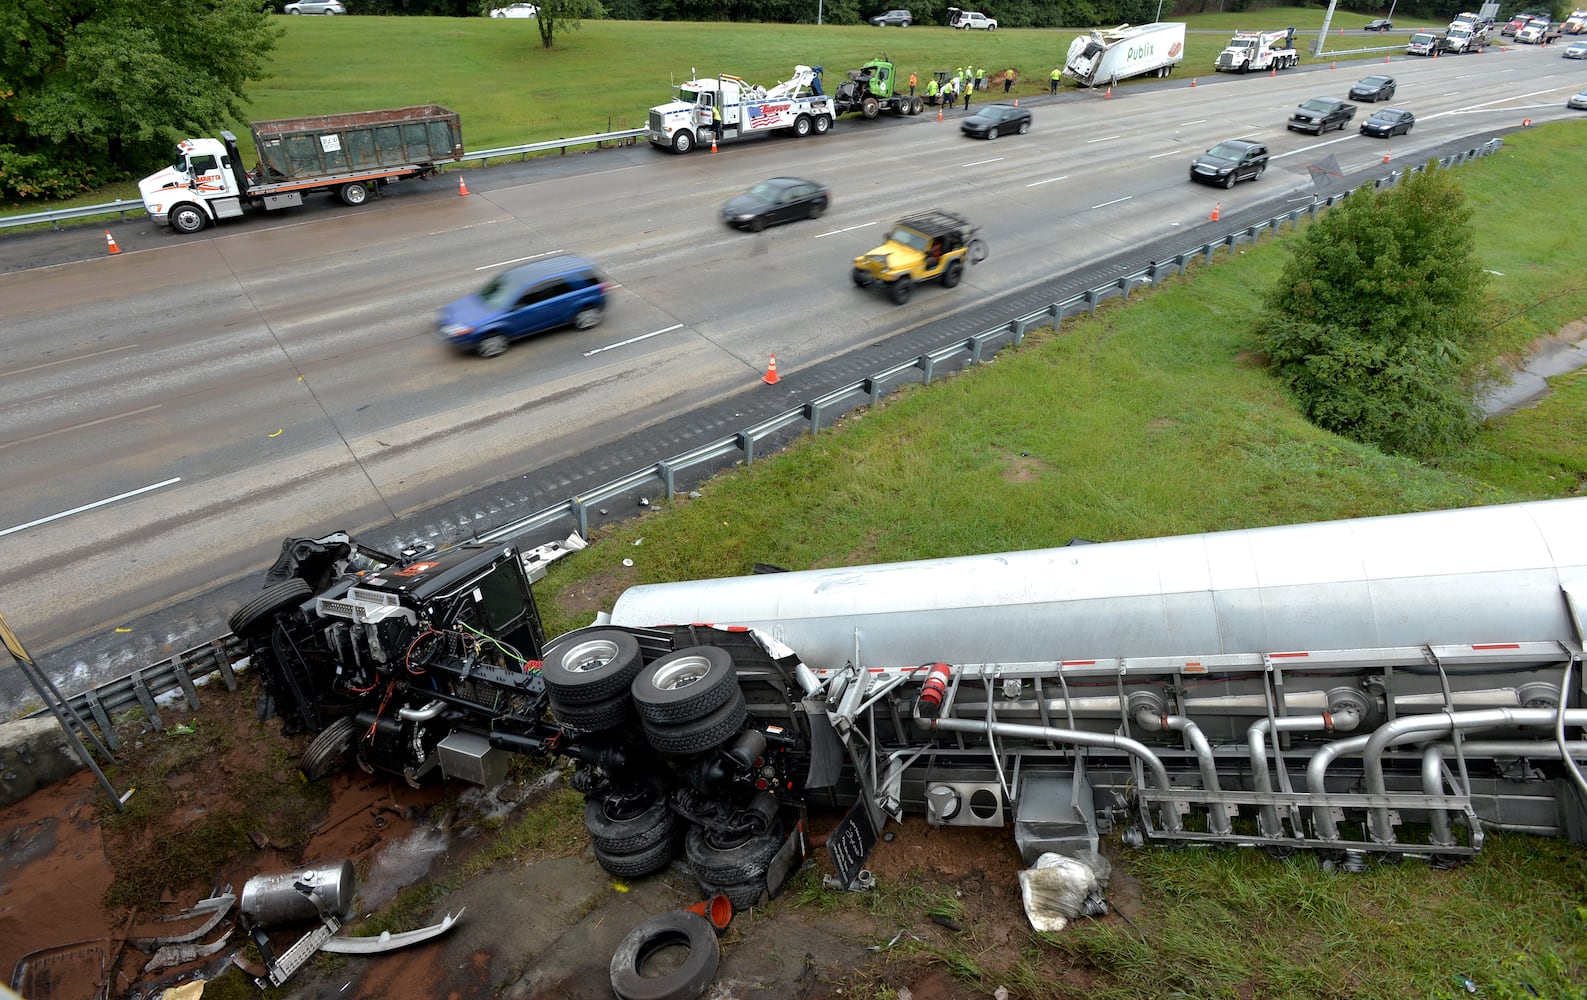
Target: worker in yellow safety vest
{"type": "Point", "coordinates": [1052, 81]}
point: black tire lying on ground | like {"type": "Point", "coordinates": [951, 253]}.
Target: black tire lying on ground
{"type": "Point", "coordinates": [256, 616]}
{"type": "Point", "coordinates": [665, 931]}
{"type": "Point", "coordinates": [629, 822]}
{"type": "Point", "coordinates": [685, 685]}
{"type": "Point", "coordinates": [591, 667]}
{"type": "Point", "coordinates": [701, 734]}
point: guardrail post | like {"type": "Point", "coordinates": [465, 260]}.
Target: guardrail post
{"type": "Point", "coordinates": [974, 346]}
{"type": "Point", "coordinates": [185, 680]}
{"type": "Point", "coordinates": [873, 389]}
{"type": "Point", "coordinates": [665, 472]}
{"type": "Point", "coordinates": [1056, 311]}
{"type": "Point", "coordinates": [223, 663]}
{"type": "Point", "coordinates": [927, 367]}
{"type": "Point", "coordinates": [746, 444]}
{"type": "Point", "coordinates": [581, 514]}
{"type": "Point", "coordinates": [813, 414]}
{"type": "Point", "coordinates": [102, 717]}
{"type": "Point", "coordinates": [1091, 301]}
{"type": "Point", "coordinates": [1017, 329]}
{"type": "Point", "coordinates": [1252, 233]}
{"type": "Point", "coordinates": [146, 699]}
{"type": "Point", "coordinates": [1182, 261]}
{"type": "Point", "coordinates": [1124, 289]}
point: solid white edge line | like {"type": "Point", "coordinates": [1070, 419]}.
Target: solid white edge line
{"type": "Point", "coordinates": [516, 260]}
{"type": "Point", "coordinates": [91, 506]}
{"type": "Point", "coordinates": [1047, 181]}
{"type": "Point", "coordinates": [634, 340]}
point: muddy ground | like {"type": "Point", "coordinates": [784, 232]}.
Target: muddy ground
{"type": "Point", "coordinates": [540, 925]}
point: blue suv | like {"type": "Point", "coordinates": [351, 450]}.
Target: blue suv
{"type": "Point", "coordinates": [543, 295]}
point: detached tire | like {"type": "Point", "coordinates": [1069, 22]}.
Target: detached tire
{"type": "Point", "coordinates": [675, 929]}
{"type": "Point", "coordinates": [685, 685]}
{"type": "Point", "coordinates": [591, 667]}
{"type": "Point", "coordinates": [255, 617]}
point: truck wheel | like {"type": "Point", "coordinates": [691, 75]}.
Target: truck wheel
{"type": "Point", "coordinates": [953, 274]}
{"type": "Point", "coordinates": [977, 251]}
{"type": "Point", "coordinates": [823, 124]}
{"type": "Point", "coordinates": [646, 862]}
{"type": "Point", "coordinates": [900, 290]}
{"type": "Point", "coordinates": [588, 318]}
{"type": "Point", "coordinates": [916, 105]}
{"type": "Point", "coordinates": [633, 980]}
{"type": "Point", "coordinates": [255, 617]}
{"type": "Point", "coordinates": [354, 194]}
{"type": "Point", "coordinates": [592, 667]}
{"type": "Point", "coordinates": [630, 822]}
{"type": "Point", "coordinates": [594, 717]}
{"type": "Point", "coordinates": [802, 126]}
{"type": "Point", "coordinates": [325, 755]}
{"type": "Point", "coordinates": [683, 142]}
{"type": "Point", "coordinates": [744, 896]}
{"type": "Point", "coordinates": [725, 860]}
{"type": "Point", "coordinates": [870, 107]}
{"type": "Point", "coordinates": [686, 685]}
{"type": "Point", "coordinates": [186, 218]}
{"type": "Point", "coordinates": [705, 733]}
{"type": "Point", "coordinates": [493, 345]}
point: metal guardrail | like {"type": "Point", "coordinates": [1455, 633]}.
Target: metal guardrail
{"type": "Point", "coordinates": [120, 208]}
{"type": "Point", "coordinates": [184, 671]}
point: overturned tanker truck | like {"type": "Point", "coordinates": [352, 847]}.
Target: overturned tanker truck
{"type": "Point", "coordinates": [1392, 685]}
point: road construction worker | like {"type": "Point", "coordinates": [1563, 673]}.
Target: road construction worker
{"type": "Point", "coordinates": [931, 91]}
{"type": "Point", "coordinates": [969, 85]}
{"type": "Point", "coordinates": [958, 72]}
{"type": "Point", "coordinates": [911, 85]}
{"type": "Point", "coordinates": [1052, 81]}
{"type": "Point", "coordinates": [716, 118]}
{"type": "Point", "coordinates": [1008, 80]}
{"type": "Point", "coordinates": [980, 78]}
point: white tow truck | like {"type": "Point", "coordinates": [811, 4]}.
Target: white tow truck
{"type": "Point", "coordinates": [796, 105]}
{"type": "Point", "coordinates": [1252, 51]}
{"type": "Point", "coordinates": [1576, 23]}
{"type": "Point", "coordinates": [1104, 57]}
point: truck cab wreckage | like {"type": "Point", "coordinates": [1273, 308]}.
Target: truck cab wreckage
{"type": "Point", "coordinates": [1384, 686]}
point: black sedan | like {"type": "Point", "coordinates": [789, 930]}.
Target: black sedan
{"type": "Point", "coordinates": [1388, 121]}
{"type": "Point", "coordinates": [1373, 88]}
{"type": "Point", "coordinates": [995, 119]}
{"type": "Point", "coordinates": [780, 199]}
{"type": "Point", "coordinates": [1379, 24]}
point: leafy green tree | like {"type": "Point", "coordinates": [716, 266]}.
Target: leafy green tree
{"type": "Point", "coordinates": [558, 17]}
{"type": "Point", "coordinates": [92, 89]}
{"type": "Point", "coordinates": [1371, 323]}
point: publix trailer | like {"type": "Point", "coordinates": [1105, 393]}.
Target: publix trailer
{"type": "Point", "coordinates": [1106, 57]}
{"type": "Point", "coordinates": [349, 155]}
{"type": "Point", "coordinates": [796, 105]}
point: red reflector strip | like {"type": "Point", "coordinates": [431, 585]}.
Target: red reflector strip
{"type": "Point", "coordinates": [1498, 645]}
{"type": "Point", "coordinates": [1287, 656]}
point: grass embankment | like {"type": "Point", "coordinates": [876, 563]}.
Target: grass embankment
{"type": "Point", "coordinates": [1156, 418]}
{"type": "Point", "coordinates": [605, 76]}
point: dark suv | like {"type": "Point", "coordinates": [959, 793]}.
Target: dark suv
{"type": "Point", "coordinates": [1321, 114]}
{"type": "Point", "coordinates": [1229, 161]}
{"type": "Point", "coordinates": [548, 293]}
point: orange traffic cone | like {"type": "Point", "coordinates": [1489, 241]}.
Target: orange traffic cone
{"type": "Point", "coordinates": [1386, 155]}
{"type": "Point", "coordinates": [1016, 102]}
{"type": "Point", "coordinates": [770, 378]}
{"type": "Point", "coordinates": [1386, 59]}
{"type": "Point", "coordinates": [1273, 72]}
{"type": "Point", "coordinates": [1192, 81]}
{"type": "Point", "coordinates": [939, 112]}
{"type": "Point", "coordinates": [718, 909]}
{"type": "Point", "coordinates": [1526, 123]}
{"type": "Point", "coordinates": [1110, 91]}
{"type": "Point", "coordinates": [111, 240]}
{"type": "Point", "coordinates": [1214, 216]}
{"type": "Point", "coordinates": [713, 142]}
{"type": "Point", "coordinates": [1333, 65]}
{"type": "Point", "coordinates": [462, 188]}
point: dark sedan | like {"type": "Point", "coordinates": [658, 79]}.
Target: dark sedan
{"type": "Point", "coordinates": [1379, 24]}
{"type": "Point", "coordinates": [1373, 88]}
{"type": "Point", "coordinates": [1388, 121]}
{"type": "Point", "coordinates": [780, 199]}
{"type": "Point", "coordinates": [995, 119]}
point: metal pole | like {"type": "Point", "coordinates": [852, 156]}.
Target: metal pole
{"type": "Point", "coordinates": [59, 707]}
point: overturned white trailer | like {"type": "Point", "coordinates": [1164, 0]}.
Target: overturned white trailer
{"type": "Point", "coordinates": [1387, 685]}
{"type": "Point", "coordinates": [1104, 57]}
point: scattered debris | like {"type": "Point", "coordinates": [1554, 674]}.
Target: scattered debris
{"type": "Point", "coordinates": [1059, 888]}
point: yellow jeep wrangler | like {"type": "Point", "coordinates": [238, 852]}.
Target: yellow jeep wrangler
{"type": "Point", "coordinates": [920, 248]}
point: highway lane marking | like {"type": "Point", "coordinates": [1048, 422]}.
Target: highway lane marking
{"type": "Point", "coordinates": [1115, 201]}
{"type": "Point", "coordinates": [90, 506]}
{"type": "Point", "coordinates": [1047, 181]}
{"type": "Point", "coordinates": [78, 427]}
{"type": "Point", "coordinates": [1171, 152]}
{"type": "Point", "coordinates": [65, 361]}
{"type": "Point", "coordinates": [1315, 145]}
{"type": "Point", "coordinates": [1103, 138]}
{"type": "Point", "coordinates": [849, 229]}
{"type": "Point", "coordinates": [981, 163]}
{"type": "Point", "coordinates": [634, 340]}
{"type": "Point", "coordinates": [1198, 121]}
{"type": "Point", "coordinates": [516, 260]}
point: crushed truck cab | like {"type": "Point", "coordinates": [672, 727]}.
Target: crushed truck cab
{"type": "Point", "coordinates": [930, 246]}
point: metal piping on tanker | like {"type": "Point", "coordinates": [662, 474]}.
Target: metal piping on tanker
{"type": "Point", "coordinates": [1344, 720]}
{"type": "Point", "coordinates": [1400, 730]}
{"type": "Point", "coordinates": [1052, 734]}
{"type": "Point", "coordinates": [1218, 813]}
